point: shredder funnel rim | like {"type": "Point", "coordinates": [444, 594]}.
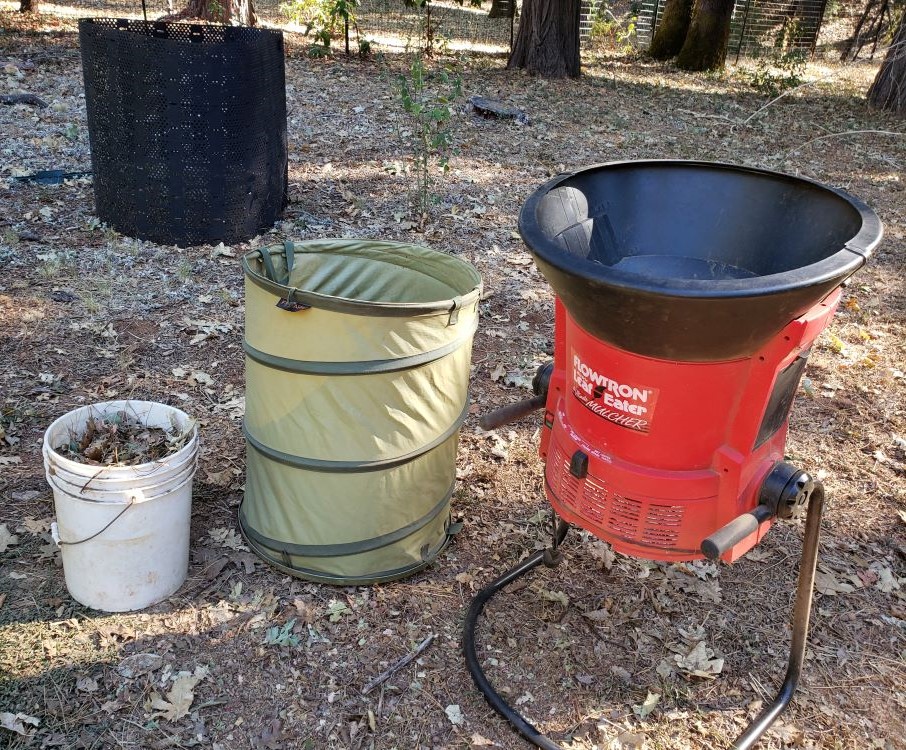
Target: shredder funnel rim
{"type": "Point", "coordinates": [853, 252]}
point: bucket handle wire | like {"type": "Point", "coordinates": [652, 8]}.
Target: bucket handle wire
{"type": "Point", "coordinates": [60, 542]}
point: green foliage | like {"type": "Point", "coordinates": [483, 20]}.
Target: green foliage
{"type": "Point", "coordinates": [615, 32]}
{"type": "Point", "coordinates": [430, 40]}
{"type": "Point", "coordinates": [782, 71]}
{"type": "Point", "coordinates": [328, 19]}
{"type": "Point", "coordinates": [277, 636]}
{"type": "Point", "coordinates": [301, 12]}
{"type": "Point", "coordinates": [424, 3]}
{"type": "Point", "coordinates": [784, 67]}
{"type": "Point", "coordinates": [428, 98]}
{"type": "Point", "coordinates": [318, 50]}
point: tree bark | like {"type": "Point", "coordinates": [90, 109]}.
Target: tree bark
{"type": "Point", "coordinates": [26, 6]}
{"type": "Point", "coordinates": [548, 40]}
{"type": "Point", "coordinates": [502, 9]}
{"type": "Point", "coordinates": [671, 31]}
{"type": "Point", "coordinates": [232, 12]}
{"type": "Point", "coordinates": [889, 88]}
{"type": "Point", "coordinates": [705, 47]}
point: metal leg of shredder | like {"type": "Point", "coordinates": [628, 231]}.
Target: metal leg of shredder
{"type": "Point", "coordinates": [747, 740]}
{"type": "Point", "coordinates": [496, 701]}
{"type": "Point", "coordinates": [801, 611]}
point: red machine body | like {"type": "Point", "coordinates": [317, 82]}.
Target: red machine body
{"type": "Point", "coordinates": [689, 295]}
{"type": "Point", "coordinates": [653, 455]}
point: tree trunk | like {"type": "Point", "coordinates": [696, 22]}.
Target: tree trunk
{"type": "Point", "coordinates": [548, 40]}
{"type": "Point", "coordinates": [671, 31]}
{"type": "Point", "coordinates": [502, 9]}
{"type": "Point", "coordinates": [231, 12]}
{"type": "Point", "coordinates": [705, 47]}
{"type": "Point", "coordinates": [26, 6]}
{"type": "Point", "coordinates": [889, 88]}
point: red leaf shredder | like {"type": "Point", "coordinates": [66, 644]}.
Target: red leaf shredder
{"type": "Point", "coordinates": [689, 295]}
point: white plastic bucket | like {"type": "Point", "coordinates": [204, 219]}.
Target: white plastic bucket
{"type": "Point", "coordinates": [123, 530]}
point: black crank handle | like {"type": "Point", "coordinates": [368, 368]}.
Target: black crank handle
{"type": "Point", "coordinates": [733, 533]}
{"type": "Point", "coordinates": [511, 412]}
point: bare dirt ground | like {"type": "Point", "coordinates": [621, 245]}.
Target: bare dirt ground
{"type": "Point", "coordinates": [597, 651]}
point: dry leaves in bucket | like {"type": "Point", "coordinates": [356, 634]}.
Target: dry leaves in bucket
{"type": "Point", "coordinates": [119, 439]}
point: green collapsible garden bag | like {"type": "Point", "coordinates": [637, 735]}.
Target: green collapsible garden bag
{"type": "Point", "coordinates": [357, 370]}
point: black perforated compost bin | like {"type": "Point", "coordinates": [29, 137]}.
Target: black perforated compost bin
{"type": "Point", "coordinates": [188, 128]}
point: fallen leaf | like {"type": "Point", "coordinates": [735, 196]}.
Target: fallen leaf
{"type": "Point", "coordinates": [214, 568]}
{"type": "Point", "coordinates": [179, 698]}
{"type": "Point", "coordinates": [628, 741]}
{"type": "Point", "coordinates": [827, 583]}
{"type": "Point", "coordinates": [836, 343]}
{"type": "Point", "coordinates": [498, 372]}
{"type": "Point", "coordinates": [866, 577]}
{"type": "Point", "coordinates": [7, 539]}
{"type": "Point", "coordinates": [664, 669]}
{"type": "Point", "coordinates": [648, 706]}
{"type": "Point", "coordinates": [247, 560]}
{"type": "Point", "coordinates": [499, 449]}
{"type": "Point", "coordinates": [307, 612]}
{"type": "Point", "coordinates": [37, 526]}
{"type": "Point", "coordinates": [197, 377]}
{"type": "Point", "coordinates": [886, 581]}
{"type": "Point", "coordinates": [603, 553]}
{"type": "Point", "coordinates": [222, 478]}
{"type": "Point", "coordinates": [227, 538]}
{"type": "Point", "coordinates": [699, 662]}
{"type": "Point", "coordinates": [271, 737]}
{"type": "Point", "coordinates": [112, 706]}
{"type": "Point", "coordinates": [760, 554]}
{"type": "Point", "coordinates": [86, 685]}
{"type": "Point", "coordinates": [235, 406]}
{"type": "Point", "coordinates": [336, 609]}
{"type": "Point", "coordinates": [26, 496]}
{"type": "Point", "coordinates": [478, 740]}
{"type": "Point", "coordinates": [16, 722]}
{"type": "Point", "coordinates": [518, 380]}
{"type": "Point", "coordinates": [138, 665]}
{"type": "Point", "coordinates": [621, 673]}
{"type": "Point", "coordinates": [555, 596]}
{"type": "Point", "coordinates": [709, 591]}
{"type": "Point", "coordinates": [50, 550]}
{"type": "Point", "coordinates": [787, 733]}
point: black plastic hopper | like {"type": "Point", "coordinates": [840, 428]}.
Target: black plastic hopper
{"type": "Point", "coordinates": [693, 261]}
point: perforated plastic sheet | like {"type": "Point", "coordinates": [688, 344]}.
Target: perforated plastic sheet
{"type": "Point", "coordinates": [188, 128]}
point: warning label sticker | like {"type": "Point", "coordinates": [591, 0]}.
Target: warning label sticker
{"type": "Point", "coordinates": [625, 404]}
